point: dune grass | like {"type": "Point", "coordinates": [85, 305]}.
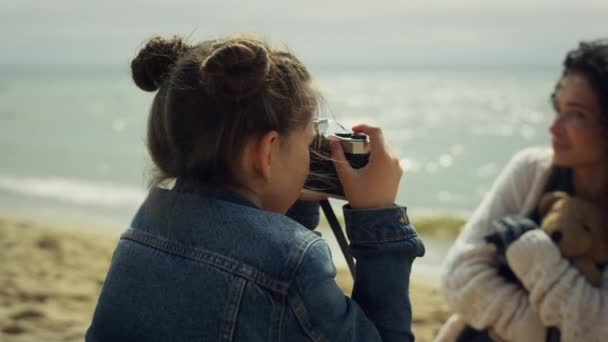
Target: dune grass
{"type": "Point", "coordinates": [440, 226]}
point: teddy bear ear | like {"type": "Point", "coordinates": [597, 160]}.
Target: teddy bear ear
{"type": "Point", "coordinates": [548, 200]}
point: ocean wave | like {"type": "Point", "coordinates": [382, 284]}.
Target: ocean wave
{"type": "Point", "coordinates": [80, 192]}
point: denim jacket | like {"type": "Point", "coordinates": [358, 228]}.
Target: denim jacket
{"type": "Point", "coordinates": [203, 264]}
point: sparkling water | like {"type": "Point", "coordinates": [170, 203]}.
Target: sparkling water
{"type": "Point", "coordinates": [74, 140]}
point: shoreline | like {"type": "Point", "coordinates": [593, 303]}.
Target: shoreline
{"type": "Point", "coordinates": [56, 267]}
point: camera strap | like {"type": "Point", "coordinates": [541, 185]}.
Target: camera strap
{"type": "Point", "coordinates": [339, 234]}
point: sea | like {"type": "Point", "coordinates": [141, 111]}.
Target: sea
{"type": "Point", "coordinates": [72, 140]}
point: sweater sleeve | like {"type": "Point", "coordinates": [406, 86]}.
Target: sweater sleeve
{"type": "Point", "coordinates": [558, 291]}
{"type": "Point", "coordinates": [470, 281]}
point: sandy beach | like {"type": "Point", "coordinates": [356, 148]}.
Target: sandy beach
{"type": "Point", "coordinates": [51, 274]}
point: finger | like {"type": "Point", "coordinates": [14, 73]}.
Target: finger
{"type": "Point", "coordinates": [501, 224]}
{"type": "Point", "coordinates": [342, 166]}
{"type": "Point", "coordinates": [529, 224]}
{"type": "Point", "coordinates": [492, 238]}
{"type": "Point", "coordinates": [510, 221]}
{"type": "Point", "coordinates": [495, 240]}
{"type": "Point", "coordinates": [376, 138]}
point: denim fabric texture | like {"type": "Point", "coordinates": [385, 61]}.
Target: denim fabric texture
{"type": "Point", "coordinates": [305, 213]}
{"type": "Point", "coordinates": [204, 264]}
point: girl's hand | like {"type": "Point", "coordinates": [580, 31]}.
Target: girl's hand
{"type": "Point", "coordinates": [374, 185]}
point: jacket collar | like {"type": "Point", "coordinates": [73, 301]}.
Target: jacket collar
{"type": "Point", "coordinates": [193, 186]}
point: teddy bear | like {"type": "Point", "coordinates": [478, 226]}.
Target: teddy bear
{"type": "Point", "coordinates": [580, 231]}
{"type": "Point", "coordinates": [578, 228]}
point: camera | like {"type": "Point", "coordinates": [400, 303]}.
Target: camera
{"type": "Point", "coordinates": [323, 178]}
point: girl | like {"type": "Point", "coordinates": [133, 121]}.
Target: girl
{"type": "Point", "coordinates": [210, 255]}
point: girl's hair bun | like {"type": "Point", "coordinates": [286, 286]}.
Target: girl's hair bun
{"type": "Point", "coordinates": [155, 61]}
{"type": "Point", "coordinates": [237, 68]}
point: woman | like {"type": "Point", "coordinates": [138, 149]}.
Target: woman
{"type": "Point", "coordinates": [210, 254]}
{"type": "Point", "coordinates": [553, 298]}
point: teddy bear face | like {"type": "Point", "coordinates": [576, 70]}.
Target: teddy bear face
{"type": "Point", "coordinates": [572, 224]}
{"type": "Point", "coordinates": [575, 225]}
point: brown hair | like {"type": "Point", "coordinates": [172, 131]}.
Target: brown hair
{"type": "Point", "coordinates": [215, 96]}
{"type": "Point", "coordinates": [591, 60]}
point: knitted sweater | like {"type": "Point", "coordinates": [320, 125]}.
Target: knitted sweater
{"type": "Point", "coordinates": [557, 294]}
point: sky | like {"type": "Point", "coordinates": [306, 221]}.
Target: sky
{"type": "Point", "coordinates": [321, 32]}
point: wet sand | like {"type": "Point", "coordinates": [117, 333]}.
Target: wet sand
{"type": "Point", "coordinates": [51, 274]}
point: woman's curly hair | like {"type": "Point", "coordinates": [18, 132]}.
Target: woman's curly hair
{"type": "Point", "coordinates": [591, 60]}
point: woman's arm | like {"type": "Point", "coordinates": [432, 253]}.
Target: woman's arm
{"type": "Point", "coordinates": [470, 281]}
{"type": "Point", "coordinates": [558, 291]}
{"type": "Point", "coordinates": [384, 245]}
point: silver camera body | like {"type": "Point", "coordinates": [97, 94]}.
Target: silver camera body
{"type": "Point", "coordinates": [323, 179]}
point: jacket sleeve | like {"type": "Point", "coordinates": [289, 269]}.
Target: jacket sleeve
{"type": "Point", "coordinates": [305, 213]}
{"type": "Point", "coordinates": [558, 291]}
{"type": "Point", "coordinates": [384, 246]}
{"type": "Point", "coordinates": [470, 281]}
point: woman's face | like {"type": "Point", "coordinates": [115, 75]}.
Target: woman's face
{"type": "Point", "coordinates": [578, 135]}
{"type": "Point", "coordinates": [292, 168]}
